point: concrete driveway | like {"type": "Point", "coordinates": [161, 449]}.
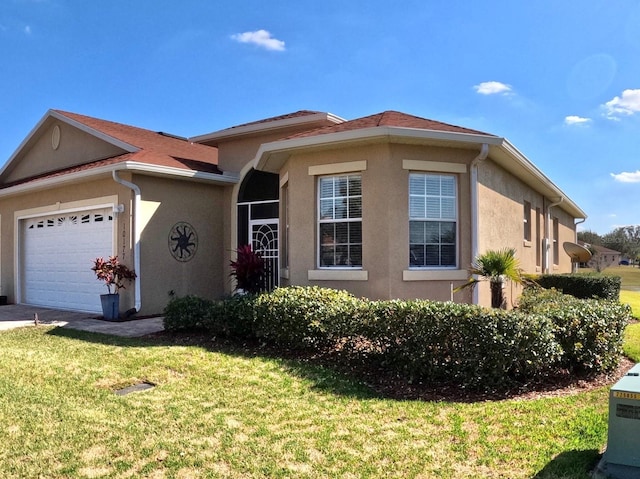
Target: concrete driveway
{"type": "Point", "coordinates": [19, 315]}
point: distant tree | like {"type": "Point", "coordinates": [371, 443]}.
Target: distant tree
{"type": "Point", "coordinates": [590, 237]}
{"type": "Point", "coordinates": [625, 239]}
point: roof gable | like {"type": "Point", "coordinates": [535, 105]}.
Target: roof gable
{"type": "Point", "coordinates": [85, 142]}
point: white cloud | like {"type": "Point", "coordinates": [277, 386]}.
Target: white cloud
{"type": "Point", "coordinates": [576, 120]}
{"type": "Point", "coordinates": [261, 38]}
{"type": "Point", "coordinates": [627, 177]}
{"type": "Point", "coordinates": [625, 105]}
{"type": "Point", "coordinates": [493, 88]}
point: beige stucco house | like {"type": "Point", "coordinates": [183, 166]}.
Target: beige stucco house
{"type": "Point", "coordinates": [386, 206]}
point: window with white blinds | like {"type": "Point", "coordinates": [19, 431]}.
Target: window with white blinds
{"type": "Point", "coordinates": [340, 221]}
{"type": "Point", "coordinates": [433, 220]}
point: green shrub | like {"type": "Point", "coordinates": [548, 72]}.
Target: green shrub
{"type": "Point", "coordinates": [583, 286]}
{"type": "Point", "coordinates": [233, 317]}
{"type": "Point", "coordinates": [424, 340]}
{"type": "Point", "coordinates": [186, 313]}
{"type": "Point", "coordinates": [590, 331]}
{"type": "Point", "coordinates": [304, 317]}
{"type": "Point", "coordinates": [468, 345]}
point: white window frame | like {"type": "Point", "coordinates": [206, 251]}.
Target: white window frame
{"type": "Point", "coordinates": [320, 221]}
{"type": "Point", "coordinates": [456, 220]}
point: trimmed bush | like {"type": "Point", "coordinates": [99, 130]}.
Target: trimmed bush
{"type": "Point", "coordinates": [233, 317]}
{"type": "Point", "coordinates": [465, 344]}
{"type": "Point", "coordinates": [583, 286]}
{"type": "Point", "coordinates": [423, 340]}
{"type": "Point", "coordinates": [590, 331]}
{"type": "Point", "coordinates": [304, 317]}
{"type": "Point", "coordinates": [186, 313]}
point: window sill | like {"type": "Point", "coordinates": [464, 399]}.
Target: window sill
{"type": "Point", "coordinates": [527, 244]}
{"type": "Point", "coordinates": [435, 275]}
{"type": "Point", "coordinates": [338, 275]}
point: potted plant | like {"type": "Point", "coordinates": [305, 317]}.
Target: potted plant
{"type": "Point", "coordinates": [114, 274]}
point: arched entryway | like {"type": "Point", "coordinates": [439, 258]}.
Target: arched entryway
{"type": "Point", "coordinates": [258, 219]}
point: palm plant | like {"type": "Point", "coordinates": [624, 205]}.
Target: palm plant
{"type": "Point", "coordinates": [496, 267]}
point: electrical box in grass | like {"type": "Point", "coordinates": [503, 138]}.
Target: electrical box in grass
{"type": "Point", "coordinates": [621, 460]}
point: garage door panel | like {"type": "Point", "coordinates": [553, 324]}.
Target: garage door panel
{"type": "Point", "coordinates": [58, 252]}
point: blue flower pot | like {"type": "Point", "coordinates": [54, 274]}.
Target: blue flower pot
{"type": "Point", "coordinates": [110, 306]}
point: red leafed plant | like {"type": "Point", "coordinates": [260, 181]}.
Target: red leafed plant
{"type": "Point", "coordinates": [113, 273]}
{"type": "Point", "coordinates": [248, 269]}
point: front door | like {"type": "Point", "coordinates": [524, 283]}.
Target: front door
{"type": "Point", "coordinates": [264, 239]}
{"type": "Point", "coordinates": [258, 212]}
{"type": "Point", "coordinates": [258, 226]}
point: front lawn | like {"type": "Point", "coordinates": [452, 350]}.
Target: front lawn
{"type": "Point", "coordinates": [221, 412]}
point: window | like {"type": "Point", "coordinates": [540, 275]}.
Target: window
{"type": "Point", "coordinates": [538, 237]}
{"type": "Point", "coordinates": [527, 221]}
{"type": "Point", "coordinates": [432, 220]}
{"type": "Point", "coordinates": [340, 221]}
{"type": "Point", "coordinates": [556, 246]}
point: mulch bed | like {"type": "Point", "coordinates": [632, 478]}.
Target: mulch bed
{"type": "Point", "coordinates": [386, 385]}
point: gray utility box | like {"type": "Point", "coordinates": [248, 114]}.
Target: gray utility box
{"type": "Point", "coordinates": [621, 460]}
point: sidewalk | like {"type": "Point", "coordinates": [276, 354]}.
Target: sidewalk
{"type": "Point", "coordinates": [19, 315]}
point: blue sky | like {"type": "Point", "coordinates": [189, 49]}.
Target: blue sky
{"type": "Point", "coordinates": [559, 79]}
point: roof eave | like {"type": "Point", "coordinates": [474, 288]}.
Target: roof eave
{"type": "Point", "coordinates": [266, 127]}
{"type": "Point", "coordinates": [271, 156]}
{"type": "Point", "coordinates": [509, 157]}
{"type": "Point", "coordinates": [133, 166]}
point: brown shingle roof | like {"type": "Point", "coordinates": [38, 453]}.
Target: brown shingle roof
{"type": "Point", "coordinates": [297, 114]}
{"type": "Point", "coordinates": [389, 118]}
{"type": "Point", "coordinates": [155, 148]}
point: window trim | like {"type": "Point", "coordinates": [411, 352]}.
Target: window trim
{"type": "Point", "coordinates": [452, 268]}
{"type": "Point", "coordinates": [556, 240]}
{"type": "Point", "coordinates": [319, 221]}
{"type": "Point", "coordinates": [527, 220]}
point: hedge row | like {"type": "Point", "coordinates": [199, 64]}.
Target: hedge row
{"type": "Point", "coordinates": [583, 286]}
{"type": "Point", "coordinates": [590, 331]}
{"type": "Point", "coordinates": [424, 340]}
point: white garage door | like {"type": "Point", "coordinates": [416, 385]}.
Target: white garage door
{"type": "Point", "coordinates": [57, 256]}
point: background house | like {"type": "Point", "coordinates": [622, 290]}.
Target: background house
{"type": "Point", "coordinates": [602, 257]}
{"type": "Point", "coordinates": [386, 206]}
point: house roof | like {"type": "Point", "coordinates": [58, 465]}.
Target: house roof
{"type": "Point", "coordinates": [141, 150]}
{"type": "Point", "coordinates": [397, 127]}
{"type": "Point", "coordinates": [389, 118]}
{"type": "Point", "coordinates": [153, 147]}
{"type": "Point", "coordinates": [308, 119]}
{"type": "Point", "coordinates": [599, 249]}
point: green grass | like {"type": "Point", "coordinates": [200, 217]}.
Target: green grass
{"type": "Point", "coordinates": [217, 414]}
{"type": "Point", "coordinates": [233, 415]}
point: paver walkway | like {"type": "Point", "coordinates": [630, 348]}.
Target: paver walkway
{"type": "Point", "coordinates": [19, 315]}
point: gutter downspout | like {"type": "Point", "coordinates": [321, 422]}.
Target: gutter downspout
{"type": "Point", "coordinates": [575, 266]}
{"type": "Point", "coordinates": [547, 238]}
{"type": "Point", "coordinates": [582, 220]}
{"type": "Point", "coordinates": [484, 152]}
{"type": "Point", "coordinates": [136, 233]}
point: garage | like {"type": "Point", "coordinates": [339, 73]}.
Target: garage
{"type": "Point", "coordinates": [56, 258]}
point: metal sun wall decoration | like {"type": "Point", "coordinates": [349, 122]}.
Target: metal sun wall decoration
{"type": "Point", "coordinates": [183, 241]}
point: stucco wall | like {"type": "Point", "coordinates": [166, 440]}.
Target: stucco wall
{"type": "Point", "coordinates": [44, 202]}
{"type": "Point", "coordinates": [166, 203]}
{"type": "Point", "coordinates": [385, 222]}
{"type": "Point", "coordinates": [75, 147]}
{"type": "Point", "coordinates": [501, 199]}
{"type": "Point", "coordinates": [235, 152]}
